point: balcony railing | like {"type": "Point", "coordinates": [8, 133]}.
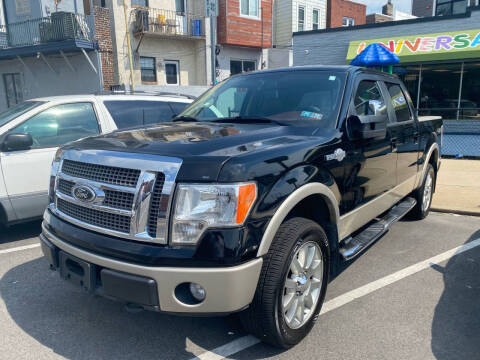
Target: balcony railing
{"type": "Point", "coordinates": [168, 23]}
{"type": "Point", "coordinates": [59, 26]}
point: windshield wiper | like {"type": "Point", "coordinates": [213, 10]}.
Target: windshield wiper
{"type": "Point", "coordinates": [248, 120]}
{"type": "Point", "coordinates": [185, 118]}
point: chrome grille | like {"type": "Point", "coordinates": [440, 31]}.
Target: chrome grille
{"type": "Point", "coordinates": [101, 173]}
{"type": "Point", "coordinates": [155, 205]}
{"type": "Point", "coordinates": [118, 199]}
{"type": "Point", "coordinates": [98, 218]}
{"type": "Point", "coordinates": [65, 186]}
{"type": "Point", "coordinates": [129, 202]}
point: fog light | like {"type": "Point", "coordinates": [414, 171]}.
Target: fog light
{"type": "Point", "coordinates": [197, 291]}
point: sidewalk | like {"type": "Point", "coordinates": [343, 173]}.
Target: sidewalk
{"type": "Point", "coordinates": [458, 187]}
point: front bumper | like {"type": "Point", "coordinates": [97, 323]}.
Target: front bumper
{"type": "Point", "coordinates": [228, 289]}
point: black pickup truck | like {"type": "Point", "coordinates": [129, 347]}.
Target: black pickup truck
{"type": "Point", "coordinates": [249, 201]}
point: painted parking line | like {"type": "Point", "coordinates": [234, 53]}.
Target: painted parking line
{"type": "Point", "coordinates": [19, 248]}
{"type": "Point", "coordinates": [248, 341]}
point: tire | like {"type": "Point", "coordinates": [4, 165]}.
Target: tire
{"type": "Point", "coordinates": [424, 195]}
{"type": "Point", "coordinates": [269, 317]}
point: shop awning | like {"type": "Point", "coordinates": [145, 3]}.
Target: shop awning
{"type": "Point", "coordinates": [426, 47]}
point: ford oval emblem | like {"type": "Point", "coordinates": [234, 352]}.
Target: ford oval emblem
{"type": "Point", "coordinates": [83, 193]}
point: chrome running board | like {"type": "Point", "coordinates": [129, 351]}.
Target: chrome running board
{"type": "Point", "coordinates": [353, 246]}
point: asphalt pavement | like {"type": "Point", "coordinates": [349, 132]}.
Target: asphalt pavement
{"type": "Point", "coordinates": [415, 294]}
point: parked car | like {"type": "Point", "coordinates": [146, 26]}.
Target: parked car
{"type": "Point", "coordinates": [249, 202]}
{"type": "Point", "coordinates": [31, 132]}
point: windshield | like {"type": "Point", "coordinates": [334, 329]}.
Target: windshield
{"type": "Point", "coordinates": [16, 111]}
{"type": "Point", "coordinates": [304, 98]}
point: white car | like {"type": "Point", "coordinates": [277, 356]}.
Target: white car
{"type": "Point", "coordinates": [31, 132]}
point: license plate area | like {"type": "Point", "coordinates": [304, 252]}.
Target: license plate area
{"type": "Point", "coordinates": [77, 271]}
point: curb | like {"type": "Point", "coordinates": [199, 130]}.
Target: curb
{"type": "Point", "coordinates": [458, 212]}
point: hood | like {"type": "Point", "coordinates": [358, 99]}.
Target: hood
{"type": "Point", "coordinates": [205, 146]}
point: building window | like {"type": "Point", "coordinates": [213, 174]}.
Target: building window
{"type": "Point", "coordinates": [172, 73]}
{"type": "Point", "coordinates": [347, 21]}
{"type": "Point", "coordinates": [249, 7]}
{"type": "Point", "coordinates": [315, 19]}
{"type": "Point", "coordinates": [13, 88]}
{"type": "Point", "coordinates": [301, 18]}
{"type": "Point", "coordinates": [451, 7]}
{"type": "Point", "coordinates": [241, 66]}
{"type": "Point", "coordinates": [148, 69]}
{"type": "Point", "coordinates": [143, 3]}
{"type": "Point", "coordinates": [180, 6]}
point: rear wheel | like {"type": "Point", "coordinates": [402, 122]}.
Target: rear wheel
{"type": "Point", "coordinates": [292, 284]}
{"type": "Point", "coordinates": [424, 195]}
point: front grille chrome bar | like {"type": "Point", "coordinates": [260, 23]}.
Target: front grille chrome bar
{"type": "Point", "coordinates": [151, 168]}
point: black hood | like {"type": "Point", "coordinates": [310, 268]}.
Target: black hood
{"type": "Point", "coordinates": [205, 146]}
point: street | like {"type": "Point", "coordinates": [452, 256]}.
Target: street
{"type": "Point", "coordinates": [427, 311]}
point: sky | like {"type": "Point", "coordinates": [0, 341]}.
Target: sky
{"type": "Point", "coordinates": [375, 6]}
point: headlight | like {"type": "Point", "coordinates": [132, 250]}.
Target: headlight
{"type": "Point", "coordinates": [53, 174]}
{"type": "Point", "coordinates": [198, 207]}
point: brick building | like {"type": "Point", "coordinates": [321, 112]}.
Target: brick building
{"type": "Point", "coordinates": [244, 29]}
{"type": "Point", "coordinates": [345, 13]}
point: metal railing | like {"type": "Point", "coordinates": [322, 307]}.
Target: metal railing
{"type": "Point", "coordinates": [59, 26]}
{"type": "Point", "coordinates": [168, 22]}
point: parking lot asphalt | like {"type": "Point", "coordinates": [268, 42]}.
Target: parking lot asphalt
{"type": "Point", "coordinates": [430, 312]}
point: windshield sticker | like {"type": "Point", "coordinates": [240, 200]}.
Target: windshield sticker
{"type": "Point", "coordinates": [332, 77]}
{"type": "Point", "coordinates": [311, 115]}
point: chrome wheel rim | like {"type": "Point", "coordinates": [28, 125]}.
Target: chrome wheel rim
{"type": "Point", "coordinates": [427, 192]}
{"type": "Point", "coordinates": [303, 285]}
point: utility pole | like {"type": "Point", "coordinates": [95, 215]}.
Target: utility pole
{"type": "Point", "coordinates": [211, 11]}
{"type": "Point", "coordinates": [129, 45]}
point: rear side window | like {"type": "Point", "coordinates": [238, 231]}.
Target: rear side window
{"type": "Point", "coordinates": [133, 113]}
{"type": "Point", "coordinates": [399, 102]}
{"type": "Point", "coordinates": [178, 107]}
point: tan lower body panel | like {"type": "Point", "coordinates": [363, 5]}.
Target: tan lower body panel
{"type": "Point", "coordinates": [355, 219]}
{"type": "Point", "coordinates": [228, 288]}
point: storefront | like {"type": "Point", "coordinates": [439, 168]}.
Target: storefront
{"type": "Point", "coordinates": [439, 63]}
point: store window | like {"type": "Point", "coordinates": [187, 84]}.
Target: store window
{"type": "Point", "coordinates": [301, 18]}
{"type": "Point", "coordinates": [315, 19]}
{"type": "Point", "coordinates": [348, 21]}
{"type": "Point", "coordinates": [399, 102]}
{"type": "Point", "coordinates": [241, 66]}
{"type": "Point", "coordinates": [13, 88]}
{"type": "Point", "coordinates": [451, 7]}
{"type": "Point", "coordinates": [172, 72]}
{"type": "Point", "coordinates": [148, 69]}
{"type": "Point", "coordinates": [249, 8]}
{"type": "Point", "coordinates": [470, 101]}
{"type": "Point", "coordinates": [143, 3]}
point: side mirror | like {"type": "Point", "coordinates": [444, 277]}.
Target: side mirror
{"type": "Point", "coordinates": [366, 127]}
{"type": "Point", "coordinates": [16, 142]}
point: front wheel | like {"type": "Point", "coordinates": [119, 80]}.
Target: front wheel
{"type": "Point", "coordinates": [292, 284]}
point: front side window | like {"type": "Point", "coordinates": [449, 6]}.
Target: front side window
{"type": "Point", "coordinates": [399, 102]}
{"type": "Point", "coordinates": [13, 88]}
{"type": "Point", "coordinates": [347, 21]}
{"type": "Point", "coordinates": [249, 7]}
{"type": "Point", "coordinates": [301, 18]}
{"type": "Point", "coordinates": [133, 113]}
{"type": "Point", "coordinates": [315, 19]}
{"type": "Point", "coordinates": [18, 110]}
{"type": "Point", "coordinates": [172, 73]}
{"type": "Point", "coordinates": [148, 69]}
{"type": "Point", "coordinates": [369, 100]}
{"type": "Point", "coordinates": [60, 124]}
{"type": "Point", "coordinates": [303, 98]}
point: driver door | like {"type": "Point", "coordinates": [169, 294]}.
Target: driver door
{"type": "Point", "coordinates": [27, 172]}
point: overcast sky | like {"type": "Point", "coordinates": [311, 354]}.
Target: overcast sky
{"type": "Point", "coordinates": [376, 5]}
